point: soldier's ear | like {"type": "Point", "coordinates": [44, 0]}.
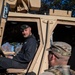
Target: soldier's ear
{"type": "Point", "coordinates": [50, 57]}
{"type": "Point", "coordinates": [53, 57]}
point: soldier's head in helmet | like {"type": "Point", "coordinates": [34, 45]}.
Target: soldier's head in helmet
{"type": "Point", "coordinates": [26, 30]}
{"type": "Point", "coordinates": [59, 53]}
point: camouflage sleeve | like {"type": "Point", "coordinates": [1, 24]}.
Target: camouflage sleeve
{"type": "Point", "coordinates": [47, 73]}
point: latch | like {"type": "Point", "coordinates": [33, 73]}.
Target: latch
{"type": "Point", "coordinates": [6, 11]}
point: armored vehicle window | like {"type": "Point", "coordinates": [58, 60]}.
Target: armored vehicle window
{"type": "Point", "coordinates": [12, 32]}
{"type": "Point", "coordinates": [66, 33]}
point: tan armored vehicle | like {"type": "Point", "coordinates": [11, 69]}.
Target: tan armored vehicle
{"type": "Point", "coordinates": [57, 26]}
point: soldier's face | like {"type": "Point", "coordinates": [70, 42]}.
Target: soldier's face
{"type": "Point", "coordinates": [26, 32]}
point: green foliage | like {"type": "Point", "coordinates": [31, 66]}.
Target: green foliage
{"type": "Point", "coordinates": [57, 4]}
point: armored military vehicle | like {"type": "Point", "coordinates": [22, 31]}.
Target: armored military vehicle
{"type": "Point", "coordinates": [57, 26]}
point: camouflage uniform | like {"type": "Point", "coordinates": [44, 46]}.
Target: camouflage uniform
{"type": "Point", "coordinates": [59, 70]}
{"type": "Point", "coordinates": [62, 50]}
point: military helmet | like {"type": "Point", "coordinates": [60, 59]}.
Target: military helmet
{"type": "Point", "coordinates": [60, 49]}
